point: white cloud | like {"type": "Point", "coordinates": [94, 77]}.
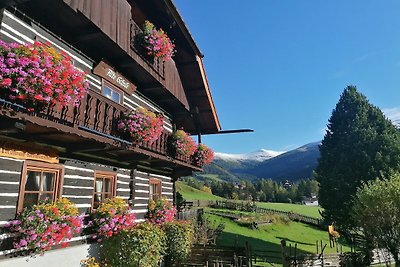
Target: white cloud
{"type": "Point", "coordinates": [393, 114]}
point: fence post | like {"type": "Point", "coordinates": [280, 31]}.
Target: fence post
{"type": "Point", "coordinates": [284, 254]}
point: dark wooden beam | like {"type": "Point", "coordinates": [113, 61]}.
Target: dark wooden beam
{"type": "Point", "coordinates": [151, 88]}
{"type": "Point", "coordinates": [90, 147]}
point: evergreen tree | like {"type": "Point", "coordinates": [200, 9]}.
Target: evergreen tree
{"type": "Point", "coordinates": [360, 145]}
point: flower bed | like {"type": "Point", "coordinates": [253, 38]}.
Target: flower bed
{"type": "Point", "coordinates": [37, 76]}
{"type": "Point", "coordinates": [182, 145]}
{"type": "Point", "coordinates": [111, 217]}
{"type": "Point", "coordinates": [45, 225]}
{"type": "Point", "coordinates": [156, 42]}
{"type": "Point", "coordinates": [203, 155]}
{"type": "Point", "coordinates": [141, 125]}
{"type": "Point", "coordinates": [160, 211]}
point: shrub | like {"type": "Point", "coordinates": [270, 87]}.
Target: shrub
{"type": "Point", "coordinates": [182, 144]}
{"type": "Point", "coordinates": [36, 76]}
{"type": "Point", "coordinates": [141, 125]}
{"type": "Point", "coordinates": [141, 246]}
{"type": "Point", "coordinates": [160, 211]}
{"type": "Point", "coordinates": [205, 233]}
{"type": "Point", "coordinates": [179, 236]}
{"type": "Point", "coordinates": [45, 225]}
{"type": "Point", "coordinates": [112, 216]}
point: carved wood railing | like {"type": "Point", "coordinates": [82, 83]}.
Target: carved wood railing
{"type": "Point", "coordinates": [99, 115]}
{"type": "Point", "coordinates": [155, 63]}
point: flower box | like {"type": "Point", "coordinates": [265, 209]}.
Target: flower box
{"type": "Point", "coordinates": [111, 217]}
{"type": "Point", "coordinates": [47, 224]}
{"type": "Point", "coordinates": [182, 145]}
{"type": "Point", "coordinates": [141, 125]}
{"type": "Point", "coordinates": [160, 211]}
{"type": "Point", "coordinates": [37, 76]}
{"type": "Point", "coordinates": [202, 156]}
{"type": "Point", "coordinates": [156, 43]}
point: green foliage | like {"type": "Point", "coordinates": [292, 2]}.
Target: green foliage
{"type": "Point", "coordinates": [142, 246]}
{"type": "Point", "coordinates": [206, 232]}
{"type": "Point", "coordinates": [206, 189]}
{"type": "Point", "coordinates": [179, 236]}
{"type": "Point", "coordinates": [359, 145]}
{"type": "Point", "coordinates": [376, 211]}
{"type": "Point", "coordinates": [261, 190]}
{"type": "Point", "coordinates": [272, 218]}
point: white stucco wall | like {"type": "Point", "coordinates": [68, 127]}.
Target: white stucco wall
{"type": "Point", "coordinates": [65, 257]}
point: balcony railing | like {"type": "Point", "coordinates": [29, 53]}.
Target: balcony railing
{"type": "Point", "coordinates": [155, 63]}
{"type": "Point", "coordinates": [99, 115]}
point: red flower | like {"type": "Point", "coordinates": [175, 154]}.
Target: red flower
{"type": "Point", "coordinates": [6, 82]}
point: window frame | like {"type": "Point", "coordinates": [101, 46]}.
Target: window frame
{"type": "Point", "coordinates": [114, 88]}
{"type": "Point", "coordinates": [42, 167]}
{"type": "Point", "coordinates": [105, 175]}
{"type": "Point", "coordinates": [158, 183]}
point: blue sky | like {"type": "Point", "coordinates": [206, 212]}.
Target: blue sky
{"type": "Point", "coordinates": [279, 67]}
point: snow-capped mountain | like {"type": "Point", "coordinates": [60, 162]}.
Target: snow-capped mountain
{"type": "Point", "coordinates": [295, 164]}
{"type": "Point", "coordinates": [259, 155]}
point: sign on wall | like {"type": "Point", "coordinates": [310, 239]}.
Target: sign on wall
{"type": "Point", "coordinates": [107, 72]}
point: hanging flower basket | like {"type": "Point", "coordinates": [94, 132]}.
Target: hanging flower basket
{"type": "Point", "coordinates": [156, 43]}
{"type": "Point", "coordinates": [181, 144]}
{"type": "Point", "coordinates": [203, 155]}
{"type": "Point", "coordinates": [37, 76]}
{"type": "Point", "coordinates": [45, 225]}
{"type": "Point", "coordinates": [141, 125]}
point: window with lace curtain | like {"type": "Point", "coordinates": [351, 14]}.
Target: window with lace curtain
{"type": "Point", "coordinates": [104, 187]}
{"type": "Point", "coordinates": [39, 181]}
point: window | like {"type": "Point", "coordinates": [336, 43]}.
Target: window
{"type": "Point", "coordinates": [104, 187]}
{"type": "Point", "coordinates": [112, 93]}
{"type": "Point", "coordinates": [155, 189]}
{"type": "Point", "coordinates": [39, 181]}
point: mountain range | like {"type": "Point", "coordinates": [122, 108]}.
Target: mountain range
{"type": "Point", "coordinates": [292, 165]}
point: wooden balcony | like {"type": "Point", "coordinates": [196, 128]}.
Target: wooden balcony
{"type": "Point", "coordinates": [88, 132]}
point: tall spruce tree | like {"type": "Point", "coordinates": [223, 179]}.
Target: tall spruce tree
{"type": "Point", "coordinates": [360, 144]}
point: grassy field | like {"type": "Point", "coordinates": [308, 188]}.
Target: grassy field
{"type": "Point", "coordinates": [311, 211]}
{"type": "Point", "coordinates": [268, 238]}
{"type": "Point", "coordinates": [190, 193]}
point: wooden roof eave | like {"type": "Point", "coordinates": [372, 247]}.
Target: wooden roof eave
{"type": "Point", "coordinates": [208, 93]}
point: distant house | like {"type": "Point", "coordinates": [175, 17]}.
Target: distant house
{"type": "Point", "coordinates": [75, 152]}
{"type": "Point", "coordinates": [286, 184]}
{"type": "Point", "coordinates": [310, 201]}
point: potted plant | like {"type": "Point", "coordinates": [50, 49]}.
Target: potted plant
{"type": "Point", "coordinates": [37, 76]}
{"type": "Point", "coordinates": [182, 145]}
{"type": "Point", "coordinates": [47, 224]}
{"type": "Point", "coordinates": [156, 43]}
{"type": "Point", "coordinates": [203, 155]}
{"type": "Point", "coordinates": [141, 125]}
